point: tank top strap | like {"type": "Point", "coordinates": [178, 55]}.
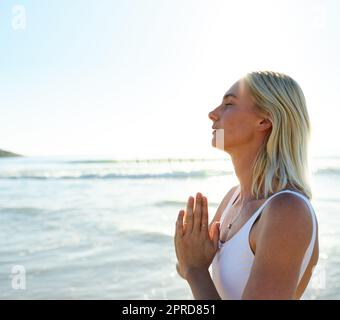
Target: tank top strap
{"type": "Point", "coordinates": [259, 210]}
{"type": "Point", "coordinates": [256, 213]}
{"type": "Point", "coordinates": [235, 194]}
{"type": "Point", "coordinates": [282, 191]}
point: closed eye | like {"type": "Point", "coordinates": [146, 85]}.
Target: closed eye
{"type": "Point", "coordinates": [228, 104]}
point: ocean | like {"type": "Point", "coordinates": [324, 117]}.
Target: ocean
{"type": "Point", "coordinates": [86, 228]}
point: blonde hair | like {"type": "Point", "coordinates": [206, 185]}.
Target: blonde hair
{"type": "Point", "coordinates": [283, 158]}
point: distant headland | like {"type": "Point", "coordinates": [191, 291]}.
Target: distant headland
{"type": "Point", "coordinates": [4, 153]}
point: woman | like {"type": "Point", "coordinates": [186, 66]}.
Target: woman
{"type": "Point", "coordinates": [263, 241]}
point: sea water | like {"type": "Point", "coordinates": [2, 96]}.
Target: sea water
{"type": "Point", "coordinates": [85, 228]}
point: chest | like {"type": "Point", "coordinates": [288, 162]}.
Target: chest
{"type": "Point", "coordinates": [235, 218]}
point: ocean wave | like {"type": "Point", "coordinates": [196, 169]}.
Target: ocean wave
{"type": "Point", "coordinates": [173, 203]}
{"type": "Point", "coordinates": [162, 160]}
{"type": "Point", "coordinates": [326, 171]}
{"type": "Point", "coordinates": [164, 175]}
{"type": "Point", "coordinates": [22, 210]}
{"type": "Point", "coordinates": [327, 199]}
{"type": "Point", "coordinates": [169, 203]}
{"type": "Point", "coordinates": [143, 235]}
{"type": "Point", "coordinates": [178, 174]}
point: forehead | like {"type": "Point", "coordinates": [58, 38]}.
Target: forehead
{"type": "Point", "coordinates": [233, 91]}
{"type": "Point", "coordinates": [241, 94]}
{"type": "Point", "coordinates": [237, 91]}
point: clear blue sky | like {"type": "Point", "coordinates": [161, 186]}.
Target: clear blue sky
{"type": "Point", "coordinates": [137, 78]}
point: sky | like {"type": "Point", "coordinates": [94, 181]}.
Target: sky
{"type": "Point", "coordinates": [137, 78]}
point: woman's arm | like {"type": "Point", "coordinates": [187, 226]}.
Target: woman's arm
{"type": "Point", "coordinates": [285, 231]}
{"type": "Point", "coordinates": [202, 286]}
{"type": "Point", "coordinates": [196, 247]}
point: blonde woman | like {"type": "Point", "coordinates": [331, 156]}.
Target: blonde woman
{"type": "Point", "coordinates": [263, 240]}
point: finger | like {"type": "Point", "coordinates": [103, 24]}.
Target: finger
{"type": "Point", "coordinates": [204, 224]}
{"type": "Point", "coordinates": [185, 220]}
{"type": "Point", "coordinates": [198, 213]}
{"type": "Point", "coordinates": [178, 232]}
{"type": "Point", "coordinates": [189, 216]}
{"type": "Point", "coordinates": [179, 224]}
{"type": "Point", "coordinates": [216, 235]}
{"type": "Point", "coordinates": [209, 227]}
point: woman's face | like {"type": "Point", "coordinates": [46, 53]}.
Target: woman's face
{"type": "Point", "coordinates": [237, 120]}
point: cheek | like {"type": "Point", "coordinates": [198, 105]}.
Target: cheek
{"type": "Point", "coordinates": [237, 125]}
{"type": "Point", "coordinates": [232, 122]}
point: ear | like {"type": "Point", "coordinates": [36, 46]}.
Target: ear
{"type": "Point", "coordinates": [265, 124]}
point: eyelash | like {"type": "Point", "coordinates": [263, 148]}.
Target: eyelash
{"type": "Point", "coordinates": [228, 104]}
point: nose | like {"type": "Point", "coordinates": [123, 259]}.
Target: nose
{"type": "Point", "coordinates": [212, 115]}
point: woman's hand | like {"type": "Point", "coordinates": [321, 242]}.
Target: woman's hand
{"type": "Point", "coordinates": [195, 245]}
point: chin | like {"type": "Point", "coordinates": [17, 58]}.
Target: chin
{"type": "Point", "coordinates": [219, 144]}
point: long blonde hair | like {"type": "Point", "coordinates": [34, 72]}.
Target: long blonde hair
{"type": "Point", "coordinates": [283, 159]}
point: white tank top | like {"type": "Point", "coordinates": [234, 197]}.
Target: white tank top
{"type": "Point", "coordinates": [232, 263]}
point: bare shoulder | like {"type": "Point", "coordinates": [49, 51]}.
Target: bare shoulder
{"type": "Point", "coordinates": [284, 233]}
{"type": "Point", "coordinates": [287, 215]}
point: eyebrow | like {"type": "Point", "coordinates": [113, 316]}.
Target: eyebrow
{"type": "Point", "coordinates": [229, 95]}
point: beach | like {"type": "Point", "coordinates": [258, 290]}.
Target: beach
{"type": "Point", "coordinates": [93, 228]}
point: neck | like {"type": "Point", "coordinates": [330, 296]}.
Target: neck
{"type": "Point", "coordinates": [243, 162]}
